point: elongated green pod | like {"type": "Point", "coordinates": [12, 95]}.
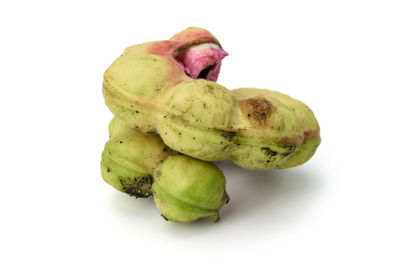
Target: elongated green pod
{"type": "Point", "coordinates": [199, 118]}
{"type": "Point", "coordinates": [148, 88]}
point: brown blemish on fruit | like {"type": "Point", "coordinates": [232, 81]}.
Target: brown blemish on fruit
{"type": "Point", "coordinates": [257, 109]}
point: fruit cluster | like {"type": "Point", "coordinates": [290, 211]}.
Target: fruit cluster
{"type": "Point", "coordinates": [171, 117]}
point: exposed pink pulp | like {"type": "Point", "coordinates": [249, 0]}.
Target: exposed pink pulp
{"type": "Point", "coordinates": [202, 61]}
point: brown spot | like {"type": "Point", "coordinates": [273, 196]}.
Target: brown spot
{"type": "Point", "coordinates": [258, 110]}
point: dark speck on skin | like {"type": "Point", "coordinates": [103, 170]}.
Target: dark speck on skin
{"type": "Point", "coordinates": [137, 186]}
{"type": "Point", "coordinates": [137, 111]}
{"type": "Point", "coordinates": [292, 149]}
{"type": "Point", "coordinates": [269, 151]}
{"type": "Point", "coordinates": [287, 153]}
{"type": "Point", "coordinates": [228, 135]}
{"type": "Point", "coordinates": [120, 142]}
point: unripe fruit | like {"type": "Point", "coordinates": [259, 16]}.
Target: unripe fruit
{"type": "Point", "coordinates": [186, 189]}
{"type": "Point", "coordinates": [130, 157]}
{"type": "Point", "coordinates": [148, 89]}
{"type": "Point", "coordinates": [308, 123]}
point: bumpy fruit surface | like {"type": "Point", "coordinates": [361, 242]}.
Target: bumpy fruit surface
{"type": "Point", "coordinates": [186, 189]}
{"type": "Point", "coordinates": [148, 88]}
{"type": "Point", "coordinates": [308, 122]}
{"type": "Point", "coordinates": [130, 157]}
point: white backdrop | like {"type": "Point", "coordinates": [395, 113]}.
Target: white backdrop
{"type": "Point", "coordinates": [340, 209]}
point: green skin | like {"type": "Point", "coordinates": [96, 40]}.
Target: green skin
{"type": "Point", "coordinates": [186, 189]}
{"type": "Point", "coordinates": [117, 126]}
{"type": "Point", "coordinates": [201, 118]}
{"type": "Point", "coordinates": [131, 159]}
{"type": "Point", "coordinates": [146, 88]}
{"type": "Point", "coordinates": [308, 122]}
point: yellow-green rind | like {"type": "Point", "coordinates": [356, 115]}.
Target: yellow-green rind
{"type": "Point", "coordinates": [308, 122]}
{"type": "Point", "coordinates": [117, 126]}
{"type": "Point", "coordinates": [186, 189]}
{"type": "Point", "coordinates": [133, 82]}
{"type": "Point", "coordinates": [130, 157]}
{"type": "Point", "coordinates": [200, 118]}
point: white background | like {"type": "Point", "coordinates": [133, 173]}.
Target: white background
{"type": "Point", "coordinates": [340, 209]}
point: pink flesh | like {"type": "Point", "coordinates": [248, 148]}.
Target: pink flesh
{"type": "Point", "coordinates": [207, 56]}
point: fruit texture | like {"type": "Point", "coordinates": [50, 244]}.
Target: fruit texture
{"type": "Point", "coordinates": [150, 90]}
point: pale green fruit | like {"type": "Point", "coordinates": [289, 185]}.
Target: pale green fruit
{"type": "Point", "coordinates": [130, 157]}
{"type": "Point", "coordinates": [147, 88]}
{"type": "Point", "coordinates": [186, 189]}
{"type": "Point", "coordinates": [308, 122]}
{"type": "Point", "coordinates": [200, 118]}
{"type": "Point", "coordinates": [116, 126]}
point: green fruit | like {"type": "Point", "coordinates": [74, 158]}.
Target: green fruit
{"type": "Point", "coordinates": [200, 118]}
{"type": "Point", "coordinates": [130, 157]}
{"type": "Point", "coordinates": [116, 126]}
{"type": "Point", "coordinates": [308, 122]}
{"type": "Point", "coordinates": [148, 89]}
{"type": "Point", "coordinates": [186, 189]}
